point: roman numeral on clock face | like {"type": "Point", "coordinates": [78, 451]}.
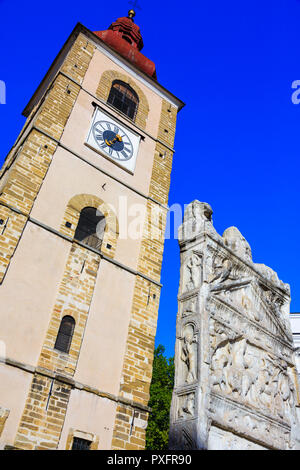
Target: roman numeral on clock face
{"type": "Point", "coordinates": [119, 148]}
{"type": "Point", "coordinates": [99, 136]}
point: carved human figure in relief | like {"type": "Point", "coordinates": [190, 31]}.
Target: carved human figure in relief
{"type": "Point", "coordinates": [188, 406]}
{"type": "Point", "coordinates": [193, 272]}
{"type": "Point", "coordinates": [222, 270]}
{"type": "Point", "coordinates": [237, 366]}
{"type": "Point", "coordinates": [265, 386]}
{"type": "Point", "coordinates": [219, 364]}
{"type": "Point", "coordinates": [251, 365]}
{"type": "Point", "coordinates": [189, 307]}
{"type": "Point", "coordinates": [188, 354]}
{"type": "Point", "coordinates": [286, 388]}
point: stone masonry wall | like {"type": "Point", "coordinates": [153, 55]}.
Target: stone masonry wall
{"type": "Point", "coordinates": [138, 360]}
{"type": "Point", "coordinates": [3, 417]}
{"type": "Point", "coordinates": [23, 172]}
{"type": "Point", "coordinates": [19, 191]}
{"type": "Point", "coordinates": [73, 299]}
{"type": "Point", "coordinates": [44, 413]}
{"type": "Point", "coordinates": [21, 179]}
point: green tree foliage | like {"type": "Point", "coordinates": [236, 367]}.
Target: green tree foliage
{"type": "Point", "coordinates": [161, 388]}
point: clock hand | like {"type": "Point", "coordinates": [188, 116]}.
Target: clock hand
{"type": "Point", "coordinates": [111, 142]}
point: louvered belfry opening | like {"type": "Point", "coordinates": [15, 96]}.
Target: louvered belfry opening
{"type": "Point", "coordinates": [124, 98]}
{"type": "Point", "coordinates": [81, 444]}
{"type": "Point", "coordinates": [65, 334]}
{"type": "Point", "coordinates": [90, 228]}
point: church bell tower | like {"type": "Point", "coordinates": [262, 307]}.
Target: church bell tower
{"type": "Point", "coordinates": [79, 283]}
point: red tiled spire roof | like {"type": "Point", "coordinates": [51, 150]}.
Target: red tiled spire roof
{"type": "Point", "coordinates": [124, 36]}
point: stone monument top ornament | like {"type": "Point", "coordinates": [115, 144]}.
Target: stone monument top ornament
{"type": "Point", "coordinates": [236, 384]}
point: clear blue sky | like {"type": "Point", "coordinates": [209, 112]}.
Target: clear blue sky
{"type": "Point", "coordinates": [237, 141]}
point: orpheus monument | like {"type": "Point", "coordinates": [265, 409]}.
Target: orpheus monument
{"type": "Point", "coordinates": [235, 376]}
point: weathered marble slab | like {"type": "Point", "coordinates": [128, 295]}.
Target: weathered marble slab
{"type": "Point", "coordinates": [235, 378]}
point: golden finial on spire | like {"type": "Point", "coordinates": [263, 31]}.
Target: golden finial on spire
{"type": "Point", "coordinates": [131, 14]}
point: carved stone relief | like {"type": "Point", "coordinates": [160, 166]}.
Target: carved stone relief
{"type": "Point", "coordinates": [189, 307]}
{"type": "Point", "coordinates": [234, 349]}
{"type": "Point", "coordinates": [187, 440]}
{"type": "Point", "coordinates": [197, 218]}
{"type": "Point", "coordinates": [192, 272]}
{"type": "Point", "coordinates": [222, 271]}
{"type": "Point", "coordinates": [219, 439]}
{"type": "Point", "coordinates": [186, 408]}
{"type": "Point", "coordinates": [189, 354]}
{"type": "Point", "coordinates": [249, 375]}
{"type": "Point", "coordinates": [237, 243]}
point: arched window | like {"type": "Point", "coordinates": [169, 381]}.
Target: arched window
{"type": "Point", "coordinates": [90, 228]}
{"type": "Point", "coordinates": [124, 98]}
{"type": "Point", "coordinates": [65, 334]}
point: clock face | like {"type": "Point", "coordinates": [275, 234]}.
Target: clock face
{"type": "Point", "coordinates": [113, 140]}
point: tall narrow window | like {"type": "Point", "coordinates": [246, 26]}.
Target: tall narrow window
{"type": "Point", "coordinates": [65, 334]}
{"type": "Point", "coordinates": [124, 98]}
{"type": "Point", "coordinates": [90, 228]}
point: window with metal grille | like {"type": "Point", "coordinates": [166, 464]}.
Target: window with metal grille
{"type": "Point", "coordinates": [124, 98]}
{"type": "Point", "coordinates": [90, 228]}
{"type": "Point", "coordinates": [81, 444]}
{"type": "Point", "coordinates": [65, 334]}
